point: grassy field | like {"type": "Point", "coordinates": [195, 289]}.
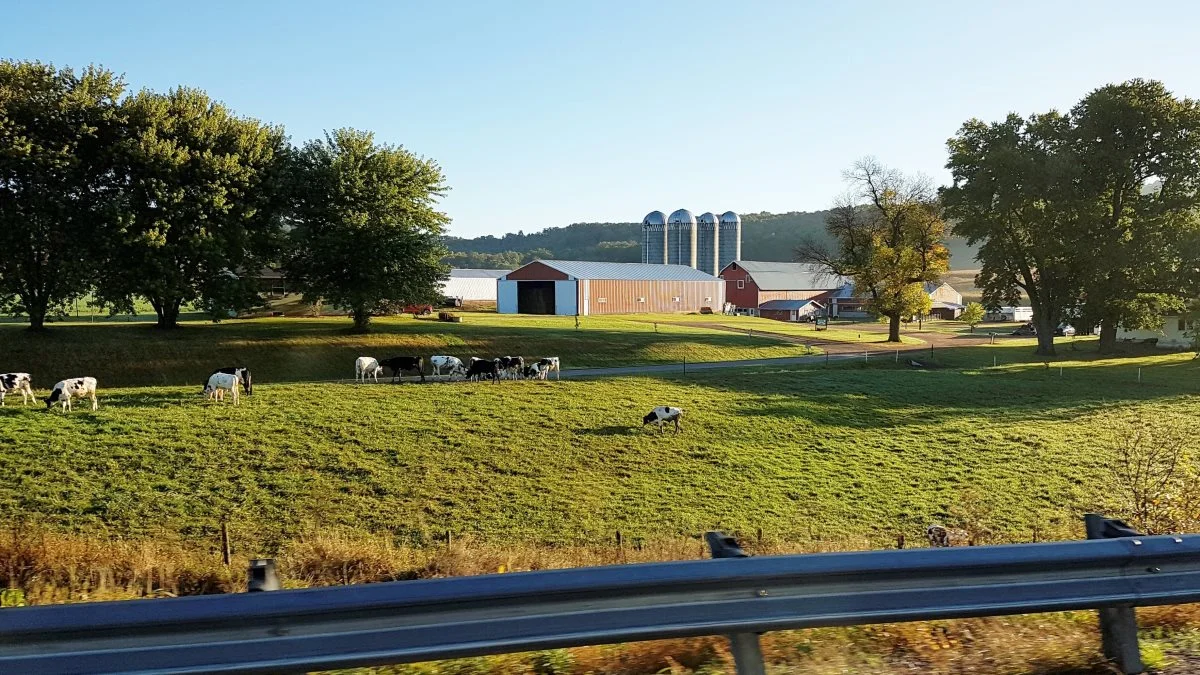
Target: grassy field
{"type": "Point", "coordinates": [863, 450]}
{"type": "Point", "coordinates": [297, 350]}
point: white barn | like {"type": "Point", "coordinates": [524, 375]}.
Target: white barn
{"type": "Point", "coordinates": [472, 285]}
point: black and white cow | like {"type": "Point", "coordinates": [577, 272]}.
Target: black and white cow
{"type": "Point", "coordinates": [512, 366]}
{"type": "Point", "coordinates": [547, 364]}
{"type": "Point", "coordinates": [219, 383]}
{"type": "Point", "coordinates": [76, 387]}
{"type": "Point", "coordinates": [401, 364]}
{"type": "Point", "coordinates": [663, 414]}
{"type": "Point", "coordinates": [451, 364]}
{"type": "Point", "coordinates": [242, 373]}
{"type": "Point", "coordinates": [482, 368]}
{"type": "Point", "coordinates": [10, 383]}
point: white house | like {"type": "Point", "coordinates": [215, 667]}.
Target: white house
{"type": "Point", "coordinates": [470, 284]}
{"type": "Point", "coordinates": [1176, 333]}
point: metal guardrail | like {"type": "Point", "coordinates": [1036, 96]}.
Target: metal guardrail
{"type": "Point", "coordinates": [374, 624]}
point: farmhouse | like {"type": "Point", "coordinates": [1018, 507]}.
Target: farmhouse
{"type": "Point", "coordinates": [572, 287]}
{"type": "Point", "coordinates": [472, 284]}
{"type": "Point", "coordinates": [750, 285]}
{"type": "Point", "coordinates": [1177, 332]}
{"type": "Point", "coordinates": [947, 302]}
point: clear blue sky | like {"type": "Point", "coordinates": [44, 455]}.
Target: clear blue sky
{"type": "Point", "coordinates": [547, 113]}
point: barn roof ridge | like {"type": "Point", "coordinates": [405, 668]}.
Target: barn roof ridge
{"type": "Point", "coordinates": [588, 269]}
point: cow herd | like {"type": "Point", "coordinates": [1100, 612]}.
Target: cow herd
{"type": "Point", "coordinates": [501, 368]}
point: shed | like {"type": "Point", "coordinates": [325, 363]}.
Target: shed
{"type": "Point", "coordinates": [790, 310]}
{"type": "Point", "coordinates": [750, 283]}
{"type": "Point", "coordinates": [472, 284]}
{"type": "Point", "coordinates": [571, 287]}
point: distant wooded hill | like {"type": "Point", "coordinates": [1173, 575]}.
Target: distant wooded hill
{"type": "Point", "coordinates": [765, 236]}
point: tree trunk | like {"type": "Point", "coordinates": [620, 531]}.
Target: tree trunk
{"type": "Point", "coordinates": [36, 309]}
{"type": "Point", "coordinates": [167, 311]}
{"type": "Point", "coordinates": [894, 328]}
{"type": "Point", "coordinates": [1045, 335]}
{"type": "Point", "coordinates": [362, 320]}
{"type": "Point", "coordinates": [1108, 336]}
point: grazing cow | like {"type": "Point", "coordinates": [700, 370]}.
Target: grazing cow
{"type": "Point", "coordinates": [481, 368]}
{"type": "Point", "coordinates": [663, 414]}
{"type": "Point", "coordinates": [547, 364]}
{"type": "Point", "coordinates": [219, 383]}
{"type": "Point", "coordinates": [451, 364]}
{"type": "Point", "coordinates": [399, 364]}
{"type": "Point", "coordinates": [13, 382]}
{"type": "Point", "coordinates": [531, 371]}
{"type": "Point", "coordinates": [942, 537]}
{"type": "Point", "coordinates": [243, 375]}
{"type": "Point", "coordinates": [511, 366]}
{"type": "Point", "coordinates": [364, 367]}
{"type": "Point", "coordinates": [76, 387]}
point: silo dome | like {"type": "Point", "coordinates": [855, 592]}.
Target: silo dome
{"type": "Point", "coordinates": [682, 217]}
{"type": "Point", "coordinates": [707, 218]}
{"type": "Point", "coordinates": [730, 217]}
{"type": "Point", "coordinates": [655, 218]}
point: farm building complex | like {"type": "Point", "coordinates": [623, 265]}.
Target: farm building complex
{"type": "Point", "coordinates": [569, 287]}
{"type": "Point", "coordinates": [472, 285]}
{"type": "Point", "coordinates": [785, 291]}
{"type": "Point", "coordinates": [947, 302]}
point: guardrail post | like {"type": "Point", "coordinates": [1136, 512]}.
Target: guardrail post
{"type": "Point", "coordinates": [262, 576]}
{"type": "Point", "coordinates": [746, 649]}
{"type": "Point", "coordinates": [1118, 625]}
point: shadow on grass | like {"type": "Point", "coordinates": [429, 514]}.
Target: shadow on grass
{"type": "Point", "coordinates": [611, 430]}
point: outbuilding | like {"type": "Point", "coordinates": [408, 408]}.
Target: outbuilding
{"type": "Point", "coordinates": [791, 310]}
{"type": "Point", "coordinates": [574, 287]}
{"type": "Point", "coordinates": [472, 284]}
{"type": "Point", "coordinates": [751, 283]}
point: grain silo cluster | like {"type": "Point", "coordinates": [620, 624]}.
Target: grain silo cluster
{"type": "Point", "coordinates": [707, 243]}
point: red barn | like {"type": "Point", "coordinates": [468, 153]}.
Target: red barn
{"type": "Point", "coordinates": [749, 284]}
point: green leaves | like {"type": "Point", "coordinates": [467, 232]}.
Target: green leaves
{"type": "Point", "coordinates": [367, 235]}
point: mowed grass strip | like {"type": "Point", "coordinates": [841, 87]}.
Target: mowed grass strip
{"type": "Point", "coordinates": [298, 350]}
{"type": "Point", "coordinates": [802, 453]}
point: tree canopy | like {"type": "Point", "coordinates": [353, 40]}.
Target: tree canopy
{"type": "Point", "coordinates": [889, 238]}
{"type": "Point", "coordinates": [57, 129]}
{"type": "Point", "coordinates": [366, 232]}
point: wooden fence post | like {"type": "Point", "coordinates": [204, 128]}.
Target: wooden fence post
{"type": "Point", "coordinates": [225, 550]}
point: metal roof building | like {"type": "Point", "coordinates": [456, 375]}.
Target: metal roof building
{"type": "Point", "coordinates": [573, 287]}
{"type": "Point", "coordinates": [472, 284]}
{"type": "Point", "coordinates": [750, 283]}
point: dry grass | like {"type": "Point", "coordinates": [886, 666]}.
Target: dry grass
{"type": "Point", "coordinates": [51, 567]}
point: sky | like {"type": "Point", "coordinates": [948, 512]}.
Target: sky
{"type": "Point", "coordinates": [547, 113]}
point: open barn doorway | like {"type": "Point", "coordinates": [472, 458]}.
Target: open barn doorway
{"type": "Point", "coordinates": [535, 297]}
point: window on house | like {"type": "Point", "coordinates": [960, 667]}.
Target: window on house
{"type": "Point", "coordinates": [741, 283]}
{"type": "Point", "coordinates": [1182, 325]}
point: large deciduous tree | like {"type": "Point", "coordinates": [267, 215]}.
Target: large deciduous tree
{"type": "Point", "coordinates": [367, 233]}
{"type": "Point", "coordinates": [888, 233]}
{"type": "Point", "coordinates": [202, 205]}
{"type": "Point", "coordinates": [1013, 196]}
{"type": "Point", "coordinates": [1138, 152]}
{"type": "Point", "coordinates": [57, 127]}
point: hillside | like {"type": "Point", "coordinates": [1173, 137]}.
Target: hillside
{"type": "Point", "coordinates": [765, 236]}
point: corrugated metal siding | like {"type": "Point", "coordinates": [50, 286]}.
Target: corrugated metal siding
{"type": "Point", "coordinates": [506, 297]}
{"type": "Point", "coordinates": [470, 288]}
{"type": "Point", "coordinates": [621, 296]}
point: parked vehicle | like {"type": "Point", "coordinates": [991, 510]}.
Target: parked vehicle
{"type": "Point", "coordinates": [419, 310]}
{"type": "Point", "coordinates": [1064, 331]}
{"type": "Point", "coordinates": [1027, 330]}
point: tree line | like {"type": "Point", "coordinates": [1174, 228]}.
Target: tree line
{"type": "Point", "coordinates": [1092, 215]}
{"type": "Point", "coordinates": [172, 197]}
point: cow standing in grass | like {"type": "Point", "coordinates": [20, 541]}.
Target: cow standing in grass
{"type": "Point", "coordinates": [17, 382]}
{"type": "Point", "coordinates": [366, 366]}
{"type": "Point", "coordinates": [243, 375]}
{"type": "Point", "coordinates": [663, 414]}
{"type": "Point", "coordinates": [512, 366]}
{"type": "Point", "coordinates": [547, 364]}
{"type": "Point", "coordinates": [76, 387]}
{"type": "Point", "coordinates": [451, 364]}
{"type": "Point", "coordinates": [481, 368]}
{"type": "Point", "coordinates": [219, 383]}
{"type": "Point", "coordinates": [402, 364]}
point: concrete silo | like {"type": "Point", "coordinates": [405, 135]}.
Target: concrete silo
{"type": "Point", "coordinates": [681, 238]}
{"type": "Point", "coordinates": [730, 239]}
{"type": "Point", "coordinates": [708, 243]}
{"type": "Point", "coordinates": [654, 238]}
